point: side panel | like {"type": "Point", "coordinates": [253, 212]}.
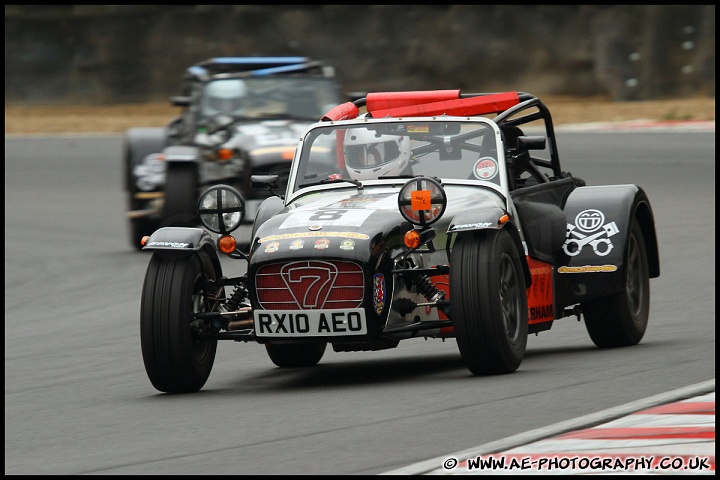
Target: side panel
{"type": "Point", "coordinates": [541, 311]}
{"type": "Point", "coordinates": [590, 263]}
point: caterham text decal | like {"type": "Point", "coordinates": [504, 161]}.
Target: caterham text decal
{"type": "Point", "coordinates": [539, 313]}
{"type": "Point", "coordinates": [540, 292]}
{"type": "Point", "coordinates": [587, 222]}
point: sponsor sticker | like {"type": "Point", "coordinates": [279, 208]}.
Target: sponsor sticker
{"type": "Point", "coordinates": [591, 230]}
{"type": "Point", "coordinates": [588, 269]}
{"type": "Point", "coordinates": [168, 244]}
{"type": "Point", "coordinates": [297, 244]}
{"type": "Point", "coordinates": [485, 168]}
{"type": "Point", "coordinates": [378, 292]}
{"type": "Point", "coordinates": [420, 200]}
{"type": "Point", "coordinates": [322, 243]}
{"type": "Point", "coordinates": [347, 244]}
{"type": "Point", "coordinates": [355, 235]}
{"type": "Point", "coordinates": [272, 247]}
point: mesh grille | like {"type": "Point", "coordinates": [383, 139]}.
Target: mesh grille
{"type": "Point", "coordinates": [310, 285]}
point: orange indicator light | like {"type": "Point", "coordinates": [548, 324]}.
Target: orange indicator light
{"type": "Point", "coordinates": [225, 154]}
{"type": "Point", "coordinates": [227, 244]}
{"type": "Point", "coordinates": [412, 239]}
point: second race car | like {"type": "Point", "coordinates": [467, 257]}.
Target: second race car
{"type": "Point", "coordinates": [241, 116]}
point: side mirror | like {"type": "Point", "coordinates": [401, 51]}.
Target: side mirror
{"type": "Point", "coordinates": [265, 181]}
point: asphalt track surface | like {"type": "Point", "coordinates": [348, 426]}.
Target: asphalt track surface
{"type": "Point", "coordinates": [78, 401]}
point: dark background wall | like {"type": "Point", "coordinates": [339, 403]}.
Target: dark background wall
{"type": "Point", "coordinates": [138, 53]}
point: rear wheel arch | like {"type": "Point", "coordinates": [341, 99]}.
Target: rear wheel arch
{"type": "Point", "coordinates": [644, 216]}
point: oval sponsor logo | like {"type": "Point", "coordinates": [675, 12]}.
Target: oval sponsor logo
{"type": "Point", "coordinates": [485, 168]}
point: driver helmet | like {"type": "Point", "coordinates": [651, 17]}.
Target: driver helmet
{"type": "Point", "coordinates": [369, 155]}
{"type": "Point", "coordinates": [225, 96]}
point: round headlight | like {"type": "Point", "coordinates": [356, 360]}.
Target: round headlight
{"type": "Point", "coordinates": [221, 209]}
{"type": "Point", "coordinates": [422, 201]}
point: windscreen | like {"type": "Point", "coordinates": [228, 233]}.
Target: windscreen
{"type": "Point", "coordinates": [270, 97]}
{"type": "Point", "coordinates": [375, 151]}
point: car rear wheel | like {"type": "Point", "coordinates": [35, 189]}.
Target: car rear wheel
{"type": "Point", "coordinates": [620, 320]}
{"type": "Point", "coordinates": [295, 354]}
{"type": "Point", "coordinates": [181, 195]}
{"type": "Point", "coordinates": [488, 302]}
{"type": "Point", "coordinates": [175, 360]}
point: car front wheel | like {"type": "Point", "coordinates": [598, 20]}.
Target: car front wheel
{"type": "Point", "coordinates": [175, 360]}
{"type": "Point", "coordinates": [488, 302]}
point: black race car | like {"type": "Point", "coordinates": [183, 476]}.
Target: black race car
{"type": "Point", "coordinates": [431, 214]}
{"type": "Point", "coordinates": [241, 116]}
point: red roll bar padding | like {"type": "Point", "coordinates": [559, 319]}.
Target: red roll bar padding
{"type": "Point", "coordinates": [344, 111]}
{"type": "Point", "coordinates": [480, 105]}
{"type": "Point", "coordinates": [386, 100]}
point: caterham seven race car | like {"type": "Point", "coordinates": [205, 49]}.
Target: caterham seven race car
{"type": "Point", "coordinates": [240, 116]}
{"type": "Point", "coordinates": [430, 214]}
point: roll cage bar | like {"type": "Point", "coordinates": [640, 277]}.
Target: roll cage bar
{"type": "Point", "coordinates": [238, 67]}
{"type": "Point", "coordinates": [509, 108]}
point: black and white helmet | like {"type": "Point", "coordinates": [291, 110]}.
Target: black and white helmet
{"type": "Point", "coordinates": [369, 155]}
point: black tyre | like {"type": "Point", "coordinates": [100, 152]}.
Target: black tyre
{"type": "Point", "coordinates": [181, 195]}
{"type": "Point", "coordinates": [620, 320]}
{"type": "Point", "coordinates": [295, 354]}
{"type": "Point", "coordinates": [488, 302]}
{"type": "Point", "coordinates": [175, 361]}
